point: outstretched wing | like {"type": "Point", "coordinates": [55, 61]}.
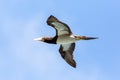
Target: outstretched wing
{"type": "Point", "coordinates": [61, 28]}
{"type": "Point", "coordinates": [66, 51]}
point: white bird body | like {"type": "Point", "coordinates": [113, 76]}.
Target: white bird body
{"type": "Point", "coordinates": [65, 38]}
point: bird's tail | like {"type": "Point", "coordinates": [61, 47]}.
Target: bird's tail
{"type": "Point", "coordinates": [86, 38]}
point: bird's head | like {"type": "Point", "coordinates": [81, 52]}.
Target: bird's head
{"type": "Point", "coordinates": [45, 39]}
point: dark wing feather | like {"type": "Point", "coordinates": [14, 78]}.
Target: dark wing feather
{"type": "Point", "coordinates": [61, 28]}
{"type": "Point", "coordinates": [66, 51]}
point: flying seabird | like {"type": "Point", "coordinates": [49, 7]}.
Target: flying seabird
{"type": "Point", "coordinates": [65, 38]}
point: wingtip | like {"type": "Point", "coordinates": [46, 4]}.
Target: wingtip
{"type": "Point", "coordinates": [74, 66]}
{"type": "Point", "coordinates": [51, 19]}
{"type": "Point", "coordinates": [51, 16]}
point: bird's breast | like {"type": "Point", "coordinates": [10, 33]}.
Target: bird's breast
{"type": "Point", "coordinates": [65, 39]}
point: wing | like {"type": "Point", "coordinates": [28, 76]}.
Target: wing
{"type": "Point", "coordinates": [61, 28]}
{"type": "Point", "coordinates": [66, 51]}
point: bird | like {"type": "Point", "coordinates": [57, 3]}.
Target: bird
{"type": "Point", "coordinates": [65, 38]}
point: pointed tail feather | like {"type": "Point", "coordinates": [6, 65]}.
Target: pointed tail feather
{"type": "Point", "coordinates": [90, 38]}
{"type": "Point", "coordinates": [86, 38]}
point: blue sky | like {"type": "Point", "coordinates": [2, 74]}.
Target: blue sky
{"type": "Point", "coordinates": [22, 58]}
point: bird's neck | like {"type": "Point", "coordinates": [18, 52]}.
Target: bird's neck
{"type": "Point", "coordinates": [50, 40]}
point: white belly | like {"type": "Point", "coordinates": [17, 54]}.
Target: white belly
{"type": "Point", "coordinates": [65, 39]}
